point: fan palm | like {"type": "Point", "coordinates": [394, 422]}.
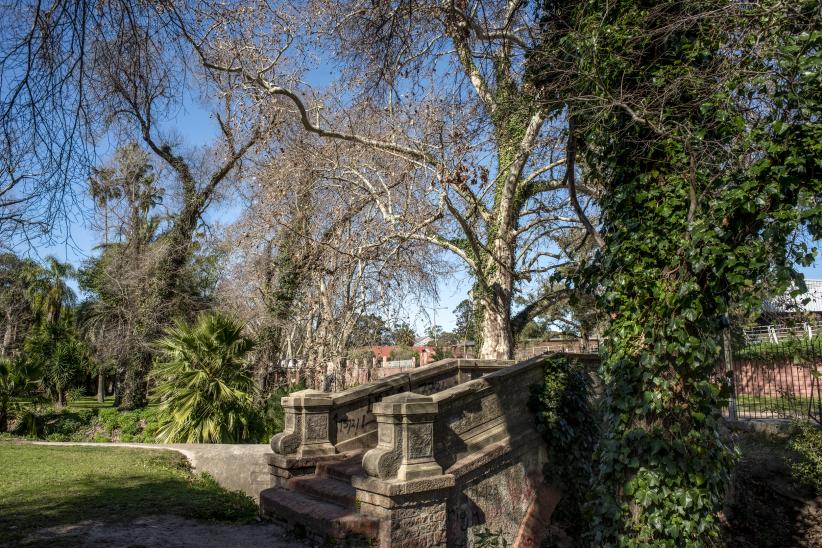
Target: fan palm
{"type": "Point", "coordinates": [49, 291]}
{"type": "Point", "coordinates": [17, 380]}
{"type": "Point", "coordinates": [204, 385]}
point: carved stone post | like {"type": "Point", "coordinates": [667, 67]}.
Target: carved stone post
{"type": "Point", "coordinates": [405, 447]}
{"type": "Point", "coordinates": [306, 432]}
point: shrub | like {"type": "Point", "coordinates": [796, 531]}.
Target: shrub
{"type": "Point", "coordinates": [75, 394]}
{"type": "Point", "coordinates": [204, 386]}
{"type": "Point", "coordinates": [362, 353]}
{"type": "Point", "coordinates": [150, 421]}
{"type": "Point", "coordinates": [128, 423]}
{"type": "Point", "coordinates": [109, 419]}
{"type": "Point", "coordinates": [568, 424]}
{"type": "Point", "coordinates": [404, 353]}
{"type": "Point", "coordinates": [807, 442]}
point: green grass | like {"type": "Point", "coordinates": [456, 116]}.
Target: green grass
{"type": "Point", "coordinates": [90, 402]}
{"type": "Point", "coordinates": [773, 404]}
{"type": "Point", "coordinates": [46, 486]}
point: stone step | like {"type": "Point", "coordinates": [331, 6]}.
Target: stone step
{"type": "Point", "coordinates": [342, 470]}
{"type": "Point", "coordinates": [325, 488]}
{"type": "Point", "coordinates": [318, 518]}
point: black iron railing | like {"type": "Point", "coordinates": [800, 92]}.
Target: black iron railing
{"type": "Point", "coordinates": [779, 380]}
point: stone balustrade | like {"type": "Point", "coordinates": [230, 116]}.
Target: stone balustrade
{"type": "Point", "coordinates": [452, 450]}
{"type": "Point", "coordinates": [405, 446]}
{"type": "Point", "coordinates": [306, 432]}
{"type": "Point", "coordinates": [321, 424]}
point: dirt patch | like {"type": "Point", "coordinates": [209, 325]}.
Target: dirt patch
{"type": "Point", "coordinates": [766, 506]}
{"type": "Point", "coordinates": [165, 531]}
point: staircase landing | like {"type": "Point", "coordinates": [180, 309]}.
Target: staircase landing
{"type": "Point", "coordinates": [323, 504]}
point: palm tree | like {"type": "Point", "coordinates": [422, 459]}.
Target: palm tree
{"type": "Point", "coordinates": [204, 385]}
{"type": "Point", "coordinates": [49, 291]}
{"type": "Point", "coordinates": [17, 380]}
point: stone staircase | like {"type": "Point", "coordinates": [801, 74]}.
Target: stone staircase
{"type": "Point", "coordinates": [323, 505]}
{"type": "Point", "coordinates": [433, 457]}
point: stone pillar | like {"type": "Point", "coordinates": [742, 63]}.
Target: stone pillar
{"type": "Point", "coordinates": [306, 432]}
{"type": "Point", "coordinates": [305, 439]}
{"type": "Point", "coordinates": [405, 487]}
{"type": "Point", "coordinates": [405, 447]}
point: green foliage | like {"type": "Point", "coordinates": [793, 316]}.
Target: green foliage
{"type": "Point", "coordinates": [568, 423]}
{"type": "Point", "coordinates": [65, 485]}
{"type": "Point", "coordinates": [404, 335]}
{"type": "Point", "coordinates": [59, 354]}
{"type": "Point", "coordinates": [807, 442]}
{"type": "Point", "coordinates": [55, 424]}
{"type": "Point", "coordinates": [18, 380]}
{"type": "Point", "coordinates": [441, 353]}
{"type": "Point", "coordinates": [360, 354]}
{"type": "Point", "coordinates": [700, 209]}
{"type": "Point", "coordinates": [109, 419]}
{"type": "Point", "coordinates": [404, 353]}
{"type": "Point", "coordinates": [796, 350]}
{"type": "Point", "coordinates": [467, 325]}
{"type": "Point", "coordinates": [75, 394]}
{"type": "Point", "coordinates": [274, 413]}
{"type": "Point", "coordinates": [491, 539]}
{"type": "Point", "coordinates": [139, 425]}
{"type": "Point", "coordinates": [205, 388]}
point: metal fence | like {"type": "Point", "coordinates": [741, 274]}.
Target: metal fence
{"type": "Point", "coordinates": [777, 380]}
{"type": "Point", "coordinates": [780, 333]}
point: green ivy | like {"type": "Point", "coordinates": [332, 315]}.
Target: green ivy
{"type": "Point", "coordinates": [701, 123]}
{"type": "Point", "coordinates": [568, 422]}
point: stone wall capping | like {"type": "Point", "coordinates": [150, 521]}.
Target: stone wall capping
{"type": "Point", "coordinates": [308, 397]}
{"type": "Point", "coordinates": [394, 488]}
{"type": "Point", "coordinates": [289, 462]}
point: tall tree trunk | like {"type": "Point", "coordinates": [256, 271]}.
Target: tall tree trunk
{"type": "Point", "coordinates": [495, 331]}
{"type": "Point", "coordinates": [101, 387]}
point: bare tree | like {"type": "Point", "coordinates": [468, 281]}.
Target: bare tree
{"type": "Point", "coordinates": [439, 89]}
{"type": "Point", "coordinates": [312, 257]}
{"type": "Point", "coordinates": [80, 71]}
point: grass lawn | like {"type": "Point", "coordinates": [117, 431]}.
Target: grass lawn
{"type": "Point", "coordinates": [44, 486]}
{"type": "Point", "coordinates": [780, 405]}
{"type": "Point", "coordinates": [90, 402]}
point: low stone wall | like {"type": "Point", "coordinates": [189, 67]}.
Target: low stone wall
{"type": "Point", "coordinates": [352, 421]}
{"type": "Point", "coordinates": [237, 467]}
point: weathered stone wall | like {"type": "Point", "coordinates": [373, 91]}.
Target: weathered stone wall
{"type": "Point", "coordinates": [352, 419]}
{"type": "Point", "coordinates": [477, 413]}
{"type": "Point", "coordinates": [502, 491]}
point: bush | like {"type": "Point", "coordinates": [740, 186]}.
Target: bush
{"type": "Point", "coordinates": [203, 384]}
{"type": "Point", "coordinates": [568, 424]}
{"type": "Point", "coordinates": [363, 353]}
{"type": "Point", "coordinates": [807, 442]}
{"type": "Point", "coordinates": [404, 353]}
{"type": "Point", "coordinates": [109, 419]}
{"type": "Point", "coordinates": [75, 394]}
{"type": "Point", "coordinates": [128, 423]}
{"type": "Point", "coordinates": [150, 422]}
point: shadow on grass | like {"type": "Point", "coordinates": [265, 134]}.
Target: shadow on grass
{"type": "Point", "coordinates": [115, 488]}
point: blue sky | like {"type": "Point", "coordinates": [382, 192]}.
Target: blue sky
{"type": "Point", "coordinates": [194, 122]}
